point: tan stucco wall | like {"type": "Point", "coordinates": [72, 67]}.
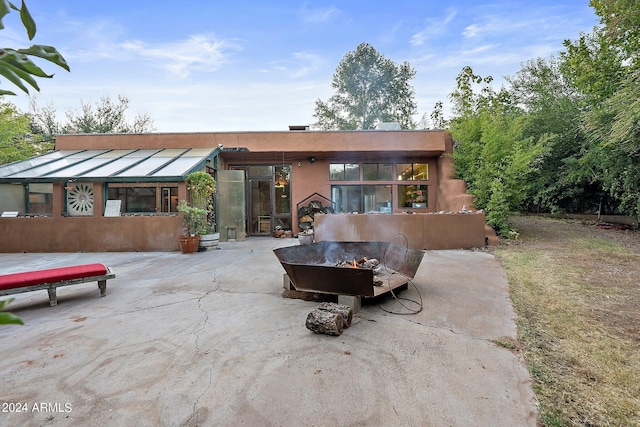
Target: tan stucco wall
{"type": "Point", "coordinates": [276, 142]}
{"type": "Point", "coordinates": [423, 231]}
{"type": "Point", "coordinates": [452, 192]}
{"type": "Point", "coordinates": [90, 234]}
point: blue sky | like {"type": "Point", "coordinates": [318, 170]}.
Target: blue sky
{"type": "Point", "coordinates": [196, 66]}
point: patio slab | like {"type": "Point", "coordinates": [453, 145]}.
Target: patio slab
{"type": "Point", "coordinates": [208, 339]}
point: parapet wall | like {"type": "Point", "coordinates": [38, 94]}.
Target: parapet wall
{"type": "Point", "coordinates": [428, 231]}
{"type": "Point", "coordinates": [91, 234]}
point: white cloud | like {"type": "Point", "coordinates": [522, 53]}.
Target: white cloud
{"type": "Point", "coordinates": [320, 15]}
{"type": "Point", "coordinates": [198, 52]}
{"type": "Point", "coordinates": [471, 31]}
{"type": "Point", "coordinates": [302, 65]}
{"type": "Point", "coordinates": [477, 49]}
{"type": "Point", "coordinates": [310, 61]}
{"type": "Point", "coordinates": [434, 28]}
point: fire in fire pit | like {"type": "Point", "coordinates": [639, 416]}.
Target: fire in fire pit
{"type": "Point", "coordinates": [349, 268]}
{"type": "Point", "coordinates": [363, 262]}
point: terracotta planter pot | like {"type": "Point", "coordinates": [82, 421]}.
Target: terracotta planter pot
{"type": "Point", "coordinates": [189, 244]}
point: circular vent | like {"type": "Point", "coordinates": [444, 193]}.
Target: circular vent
{"type": "Point", "coordinates": [80, 200]}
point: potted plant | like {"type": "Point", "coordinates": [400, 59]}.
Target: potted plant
{"type": "Point", "coordinates": [192, 217]}
{"type": "Point", "coordinates": [202, 187]}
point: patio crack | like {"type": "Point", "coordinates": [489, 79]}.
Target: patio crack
{"type": "Point", "coordinates": [196, 333]}
{"type": "Point", "coordinates": [199, 328]}
{"type": "Point", "coordinates": [196, 412]}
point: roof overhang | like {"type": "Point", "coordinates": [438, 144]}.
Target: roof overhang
{"type": "Point", "coordinates": [148, 165]}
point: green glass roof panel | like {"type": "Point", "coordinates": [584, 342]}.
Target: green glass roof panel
{"type": "Point", "coordinates": [12, 168]}
{"type": "Point", "coordinates": [113, 154]}
{"type": "Point", "coordinates": [45, 170]}
{"type": "Point", "coordinates": [145, 167]}
{"type": "Point", "coordinates": [79, 169]}
{"type": "Point", "coordinates": [146, 164]}
{"type": "Point", "coordinates": [185, 163]}
{"type": "Point", "coordinates": [112, 168]}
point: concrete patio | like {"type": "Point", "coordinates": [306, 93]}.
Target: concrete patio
{"type": "Point", "coordinates": [208, 339]}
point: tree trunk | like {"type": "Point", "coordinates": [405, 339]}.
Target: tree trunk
{"type": "Point", "coordinates": [344, 310]}
{"type": "Point", "coordinates": [325, 322]}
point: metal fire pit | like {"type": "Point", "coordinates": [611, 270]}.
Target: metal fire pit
{"type": "Point", "coordinates": [314, 267]}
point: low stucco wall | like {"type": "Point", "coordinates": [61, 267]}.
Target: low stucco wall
{"type": "Point", "coordinates": [423, 231]}
{"type": "Point", "coordinates": [90, 234]}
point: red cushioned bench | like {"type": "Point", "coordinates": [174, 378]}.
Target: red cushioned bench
{"type": "Point", "coordinates": [53, 278]}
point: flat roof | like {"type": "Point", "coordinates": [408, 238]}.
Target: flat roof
{"type": "Point", "coordinates": [152, 165]}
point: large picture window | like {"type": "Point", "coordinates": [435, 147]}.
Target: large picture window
{"type": "Point", "coordinates": [377, 172]}
{"type": "Point", "coordinates": [145, 199]}
{"type": "Point", "coordinates": [413, 171]}
{"type": "Point", "coordinates": [362, 198]}
{"type": "Point", "coordinates": [344, 172]}
{"type": "Point", "coordinates": [40, 199]}
{"type": "Point", "coordinates": [413, 196]}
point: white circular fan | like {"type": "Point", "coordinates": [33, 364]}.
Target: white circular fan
{"type": "Point", "coordinates": [80, 200]}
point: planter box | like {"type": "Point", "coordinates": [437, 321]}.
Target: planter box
{"type": "Point", "coordinates": [209, 241]}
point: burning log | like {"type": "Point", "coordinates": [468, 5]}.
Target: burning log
{"type": "Point", "coordinates": [325, 322]}
{"type": "Point", "coordinates": [344, 310]}
{"type": "Point", "coordinates": [370, 263]}
{"type": "Point", "coordinates": [364, 262]}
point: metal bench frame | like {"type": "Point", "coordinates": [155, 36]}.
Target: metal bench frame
{"type": "Point", "coordinates": [52, 286]}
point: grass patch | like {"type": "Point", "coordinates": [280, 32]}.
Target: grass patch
{"type": "Point", "coordinates": [598, 245]}
{"type": "Point", "coordinates": [584, 375]}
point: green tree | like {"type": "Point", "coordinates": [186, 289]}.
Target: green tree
{"type": "Point", "coordinates": [493, 155]}
{"type": "Point", "coordinates": [16, 64]}
{"type": "Point", "coordinates": [103, 116]}
{"type": "Point", "coordinates": [554, 109]}
{"type": "Point", "coordinates": [16, 140]}
{"type": "Point", "coordinates": [621, 21]}
{"type": "Point", "coordinates": [605, 67]}
{"type": "Point", "coordinates": [369, 89]}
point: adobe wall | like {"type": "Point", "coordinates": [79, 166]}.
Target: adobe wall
{"type": "Point", "coordinates": [90, 234]}
{"type": "Point", "coordinates": [452, 192]}
{"type": "Point", "coordinates": [423, 231]}
{"type": "Point", "coordinates": [275, 142]}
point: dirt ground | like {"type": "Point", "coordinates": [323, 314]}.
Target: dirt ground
{"type": "Point", "coordinates": [612, 274]}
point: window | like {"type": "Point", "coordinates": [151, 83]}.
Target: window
{"type": "Point", "coordinates": [344, 172]}
{"type": "Point", "coordinates": [413, 171]}
{"type": "Point", "coordinates": [40, 199]}
{"type": "Point", "coordinates": [260, 171]}
{"type": "Point", "coordinates": [413, 196]}
{"type": "Point", "coordinates": [282, 184]}
{"type": "Point", "coordinates": [362, 198]}
{"type": "Point", "coordinates": [377, 172]}
{"type": "Point", "coordinates": [169, 202]}
{"type": "Point", "coordinates": [145, 199]}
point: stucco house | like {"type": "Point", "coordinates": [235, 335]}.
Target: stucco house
{"type": "Point", "coordinates": [119, 192]}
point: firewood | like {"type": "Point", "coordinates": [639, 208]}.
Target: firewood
{"type": "Point", "coordinates": [343, 309]}
{"type": "Point", "coordinates": [325, 322]}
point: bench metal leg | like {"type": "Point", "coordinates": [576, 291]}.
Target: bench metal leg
{"type": "Point", "coordinates": [53, 299]}
{"type": "Point", "coordinates": [102, 284]}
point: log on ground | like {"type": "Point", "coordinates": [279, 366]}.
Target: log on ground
{"type": "Point", "coordinates": [343, 309]}
{"type": "Point", "coordinates": [325, 322]}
